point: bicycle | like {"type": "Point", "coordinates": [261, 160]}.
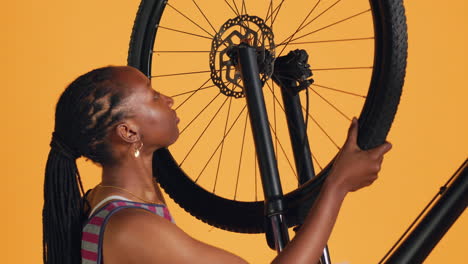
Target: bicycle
{"type": "Point", "coordinates": [243, 59]}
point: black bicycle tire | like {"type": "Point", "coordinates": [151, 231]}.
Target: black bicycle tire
{"type": "Point", "coordinates": [374, 122]}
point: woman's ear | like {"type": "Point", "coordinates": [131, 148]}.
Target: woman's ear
{"type": "Point", "coordinates": [127, 132]}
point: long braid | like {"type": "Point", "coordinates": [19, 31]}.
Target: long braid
{"type": "Point", "coordinates": [85, 112]}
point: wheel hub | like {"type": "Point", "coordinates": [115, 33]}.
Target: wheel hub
{"type": "Point", "coordinates": [225, 72]}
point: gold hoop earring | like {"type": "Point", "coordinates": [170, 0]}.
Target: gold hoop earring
{"type": "Point", "coordinates": [137, 150]}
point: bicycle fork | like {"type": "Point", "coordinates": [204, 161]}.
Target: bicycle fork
{"type": "Point", "coordinates": [274, 207]}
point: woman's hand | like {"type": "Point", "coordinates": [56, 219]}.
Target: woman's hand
{"type": "Point", "coordinates": [355, 168]}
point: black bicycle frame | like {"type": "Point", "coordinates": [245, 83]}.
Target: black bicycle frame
{"type": "Point", "coordinates": [274, 209]}
{"type": "Point", "coordinates": [452, 202]}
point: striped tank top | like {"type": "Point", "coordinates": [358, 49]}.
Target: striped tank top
{"type": "Point", "coordinates": [93, 228]}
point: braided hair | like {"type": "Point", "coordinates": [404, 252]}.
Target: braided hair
{"type": "Point", "coordinates": [85, 112]}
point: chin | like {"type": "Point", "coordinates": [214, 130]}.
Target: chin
{"type": "Point", "coordinates": [172, 140]}
{"type": "Point", "coordinates": [175, 138]}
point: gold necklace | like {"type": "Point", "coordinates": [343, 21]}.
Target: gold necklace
{"type": "Point", "coordinates": [127, 191]}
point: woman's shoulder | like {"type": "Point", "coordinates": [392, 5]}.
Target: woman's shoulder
{"type": "Point", "coordinates": [138, 221]}
{"type": "Point", "coordinates": [134, 232]}
{"type": "Point", "coordinates": [137, 236]}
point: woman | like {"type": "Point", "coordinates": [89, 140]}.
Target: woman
{"type": "Point", "coordinates": [113, 117]}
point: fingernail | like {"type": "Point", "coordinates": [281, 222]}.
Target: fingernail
{"type": "Point", "coordinates": [354, 120]}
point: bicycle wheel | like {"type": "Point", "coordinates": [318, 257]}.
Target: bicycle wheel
{"type": "Point", "coordinates": [357, 52]}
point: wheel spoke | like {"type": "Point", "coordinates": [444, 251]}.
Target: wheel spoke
{"type": "Point", "coordinates": [232, 9]}
{"type": "Point", "coordinates": [283, 151]}
{"type": "Point", "coordinates": [180, 73]}
{"type": "Point", "coordinates": [316, 161]}
{"type": "Point", "coordinates": [203, 132]}
{"type": "Point", "coordinates": [321, 128]}
{"type": "Point", "coordinates": [189, 19]}
{"type": "Point", "coordinates": [274, 118]}
{"type": "Point", "coordinates": [294, 128]}
{"type": "Point", "coordinates": [192, 91]}
{"type": "Point", "coordinates": [332, 24]}
{"type": "Point", "coordinates": [203, 14]}
{"type": "Point", "coordinates": [244, 11]}
{"type": "Point", "coordinates": [313, 119]}
{"type": "Point", "coordinates": [244, 7]}
{"type": "Point", "coordinates": [343, 68]}
{"type": "Point", "coordinates": [216, 150]}
{"type": "Point", "coordinates": [185, 32]}
{"type": "Point", "coordinates": [337, 90]}
{"type": "Point", "coordinates": [325, 41]}
{"type": "Point", "coordinates": [269, 11]}
{"type": "Point", "coordinates": [329, 103]}
{"type": "Point", "coordinates": [236, 12]}
{"type": "Point", "coordinates": [299, 27]}
{"type": "Point", "coordinates": [222, 143]}
{"type": "Point", "coordinates": [204, 108]}
{"type": "Point", "coordinates": [270, 16]}
{"type": "Point", "coordinates": [181, 51]}
{"type": "Point", "coordinates": [308, 23]}
{"type": "Point", "coordinates": [277, 12]}
{"type": "Point", "coordinates": [237, 9]}
{"type": "Point", "coordinates": [275, 97]}
{"type": "Point", "coordinates": [241, 153]}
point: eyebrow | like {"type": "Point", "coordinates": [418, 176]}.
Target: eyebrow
{"type": "Point", "coordinates": [155, 92]}
{"type": "Point", "coordinates": [150, 86]}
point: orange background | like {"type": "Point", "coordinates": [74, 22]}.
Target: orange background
{"type": "Point", "coordinates": [46, 44]}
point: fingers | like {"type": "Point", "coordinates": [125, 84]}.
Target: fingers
{"type": "Point", "coordinates": [353, 132]}
{"type": "Point", "coordinates": [379, 151]}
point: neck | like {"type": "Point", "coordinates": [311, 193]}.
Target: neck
{"type": "Point", "coordinates": [134, 175]}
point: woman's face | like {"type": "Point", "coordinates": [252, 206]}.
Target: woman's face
{"type": "Point", "coordinates": [150, 110]}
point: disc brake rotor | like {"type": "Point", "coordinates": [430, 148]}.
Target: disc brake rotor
{"type": "Point", "coordinates": [225, 72]}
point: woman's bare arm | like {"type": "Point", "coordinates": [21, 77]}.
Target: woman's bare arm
{"type": "Point", "coordinates": [137, 236]}
{"type": "Point", "coordinates": [353, 169]}
{"type": "Point", "coordinates": [309, 242]}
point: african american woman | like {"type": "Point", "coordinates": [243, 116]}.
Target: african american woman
{"type": "Point", "coordinates": [113, 117]}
